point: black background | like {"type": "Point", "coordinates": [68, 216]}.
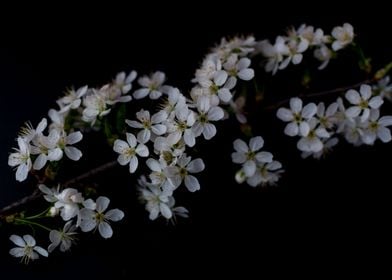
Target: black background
{"type": "Point", "coordinates": [338, 206]}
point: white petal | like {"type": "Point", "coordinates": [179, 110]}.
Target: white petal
{"type": "Point", "coordinates": [159, 129]}
{"type": "Point", "coordinates": [40, 162]}
{"type": "Point", "coordinates": [165, 210]}
{"type": "Point", "coordinates": [154, 165]}
{"type": "Point", "coordinates": [209, 131]}
{"type": "Point", "coordinates": [17, 252]}
{"type": "Point", "coordinates": [191, 183]}
{"type": "Point", "coordinates": [385, 121]}
{"type": "Point", "coordinates": [376, 102]}
{"type": "Point", "coordinates": [142, 150]}
{"type": "Point", "coordinates": [159, 117]}
{"type": "Point", "coordinates": [256, 143]}
{"type": "Point", "coordinates": [246, 74]}
{"type": "Point", "coordinates": [133, 163]}
{"type": "Point", "coordinates": [284, 114]}
{"type": "Point", "coordinates": [215, 114]}
{"type": "Point", "coordinates": [225, 95]}
{"type": "Point", "coordinates": [264, 157]}
{"type": "Point", "coordinates": [131, 139]}
{"type": "Point", "coordinates": [120, 146]}
{"type": "Point", "coordinates": [384, 134]}
{"type": "Point", "coordinates": [353, 112]}
{"type": "Point", "coordinates": [74, 137]}
{"type": "Point", "coordinates": [102, 203]}
{"type": "Point", "coordinates": [240, 146]}
{"type": "Point", "coordinates": [238, 157]}
{"type": "Point", "coordinates": [55, 237]}
{"type": "Point", "coordinates": [304, 129]}
{"type": "Point", "coordinates": [309, 111]}
{"type": "Point", "coordinates": [366, 91]}
{"type": "Point", "coordinates": [22, 172]}
{"type": "Point", "coordinates": [291, 129]}
{"type": "Point", "coordinates": [134, 124]}
{"type": "Point", "coordinates": [30, 241]}
{"type": "Point", "coordinates": [220, 77]}
{"type": "Point", "coordinates": [143, 136]}
{"type": "Point", "coordinates": [18, 240]}
{"type": "Point", "coordinates": [189, 138]}
{"type": "Point", "coordinates": [105, 230]}
{"type": "Point", "coordinates": [249, 168]}
{"type": "Point", "coordinates": [41, 251]}
{"type": "Point", "coordinates": [123, 159]}
{"type": "Point", "coordinates": [353, 97]}
{"type": "Point", "coordinates": [296, 104]}
{"type": "Point", "coordinates": [141, 93]}
{"type": "Point", "coordinates": [73, 153]}
{"type": "Point", "coordinates": [155, 94]}
{"type": "Point", "coordinates": [196, 166]}
{"type": "Point", "coordinates": [55, 154]}
{"type": "Point", "coordinates": [114, 215]}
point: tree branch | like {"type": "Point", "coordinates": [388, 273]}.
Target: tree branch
{"type": "Point", "coordinates": [317, 94]}
{"type": "Point", "coordinates": [37, 193]}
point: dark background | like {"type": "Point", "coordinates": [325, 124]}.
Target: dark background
{"type": "Point", "coordinates": [337, 206]}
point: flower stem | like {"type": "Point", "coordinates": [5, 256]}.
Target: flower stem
{"type": "Point", "coordinates": [20, 221]}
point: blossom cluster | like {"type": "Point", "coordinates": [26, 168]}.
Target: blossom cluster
{"type": "Point", "coordinates": [357, 118]}
{"type": "Point", "coordinates": [290, 48]}
{"type": "Point", "coordinates": [158, 143]}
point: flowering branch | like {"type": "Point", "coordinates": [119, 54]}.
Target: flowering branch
{"type": "Point", "coordinates": [318, 94]}
{"type": "Point", "coordinates": [37, 193]}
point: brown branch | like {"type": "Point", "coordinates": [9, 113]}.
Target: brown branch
{"type": "Point", "coordinates": [316, 94]}
{"type": "Point", "coordinates": [37, 193]}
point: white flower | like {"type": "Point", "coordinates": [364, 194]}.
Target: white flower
{"type": "Point", "coordinates": [46, 148]}
{"type": "Point", "coordinates": [376, 127]}
{"type": "Point", "coordinates": [124, 82]}
{"type": "Point", "coordinates": [128, 151]}
{"type": "Point", "coordinates": [21, 159]}
{"type": "Point", "coordinates": [148, 124]}
{"type": "Point", "coordinates": [68, 202]}
{"type": "Point", "coordinates": [65, 237]}
{"type": "Point", "coordinates": [249, 155]}
{"type": "Point", "coordinates": [343, 35]}
{"type": "Point", "coordinates": [275, 54]}
{"type": "Point", "coordinates": [96, 106]}
{"type": "Point", "coordinates": [181, 127]}
{"type": "Point", "coordinates": [207, 114]}
{"type": "Point", "coordinates": [238, 108]}
{"type": "Point", "coordinates": [324, 54]}
{"type": "Point", "coordinates": [28, 132]}
{"type": "Point", "coordinates": [72, 100]}
{"type": "Point", "coordinates": [328, 144]}
{"type": "Point", "coordinates": [151, 86]}
{"type": "Point", "coordinates": [384, 88]}
{"type": "Point", "coordinates": [312, 141]}
{"type": "Point", "coordinates": [239, 67]}
{"type": "Point", "coordinates": [91, 219]}
{"type": "Point", "coordinates": [327, 117]}
{"type": "Point", "coordinates": [266, 174]}
{"type": "Point", "coordinates": [50, 195]}
{"type": "Point", "coordinates": [297, 117]}
{"type": "Point", "coordinates": [362, 103]}
{"type": "Point", "coordinates": [27, 250]}
{"type": "Point", "coordinates": [157, 201]}
{"type": "Point", "coordinates": [182, 171]}
{"type": "Point", "coordinates": [158, 175]}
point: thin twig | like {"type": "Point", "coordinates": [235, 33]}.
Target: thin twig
{"type": "Point", "coordinates": [90, 173]}
{"type": "Point", "coordinates": [37, 193]}
{"type": "Point", "coordinates": [317, 94]}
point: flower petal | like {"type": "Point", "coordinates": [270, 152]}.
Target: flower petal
{"type": "Point", "coordinates": [114, 215]}
{"type": "Point", "coordinates": [105, 230]}
{"type": "Point", "coordinates": [102, 203]}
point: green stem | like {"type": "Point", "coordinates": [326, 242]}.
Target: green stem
{"type": "Point", "coordinates": [40, 215]}
{"type": "Point", "coordinates": [364, 62]}
{"type": "Point", "coordinates": [27, 222]}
